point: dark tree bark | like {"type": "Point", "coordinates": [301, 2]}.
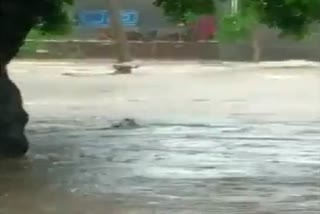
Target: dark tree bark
{"type": "Point", "coordinates": [16, 20]}
{"type": "Point", "coordinates": [13, 119]}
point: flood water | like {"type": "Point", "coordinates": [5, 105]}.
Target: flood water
{"type": "Point", "coordinates": [207, 142]}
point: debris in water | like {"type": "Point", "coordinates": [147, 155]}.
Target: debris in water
{"type": "Point", "coordinates": [126, 123]}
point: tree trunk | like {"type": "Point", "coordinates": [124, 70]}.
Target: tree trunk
{"type": "Point", "coordinates": [13, 119]}
{"type": "Point", "coordinates": [122, 46]}
{"type": "Point", "coordinates": [16, 22]}
{"type": "Point", "coordinates": [256, 46]}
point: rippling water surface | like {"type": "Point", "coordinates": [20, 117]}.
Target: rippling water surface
{"type": "Point", "coordinates": [204, 167]}
{"type": "Point", "coordinates": [242, 161]}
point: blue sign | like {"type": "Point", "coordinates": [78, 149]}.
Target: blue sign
{"type": "Point", "coordinates": [101, 18]}
{"type": "Point", "coordinates": [130, 18]}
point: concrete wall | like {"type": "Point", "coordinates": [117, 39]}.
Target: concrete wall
{"type": "Point", "coordinates": [273, 47]}
{"type": "Point", "coordinates": [173, 50]}
{"type": "Point", "coordinates": [139, 50]}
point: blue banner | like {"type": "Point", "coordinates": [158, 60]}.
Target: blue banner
{"type": "Point", "coordinates": [101, 18]}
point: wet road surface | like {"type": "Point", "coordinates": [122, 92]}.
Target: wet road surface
{"type": "Point", "coordinates": [209, 140]}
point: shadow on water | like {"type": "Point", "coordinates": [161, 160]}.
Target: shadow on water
{"type": "Point", "coordinates": [246, 167]}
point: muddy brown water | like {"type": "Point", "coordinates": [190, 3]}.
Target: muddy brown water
{"type": "Point", "coordinates": [257, 152]}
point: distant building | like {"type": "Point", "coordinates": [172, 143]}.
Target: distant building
{"type": "Point", "coordinates": [150, 19]}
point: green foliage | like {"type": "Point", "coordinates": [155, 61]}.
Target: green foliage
{"type": "Point", "coordinates": [190, 17]}
{"type": "Point", "coordinates": [291, 17]}
{"type": "Point", "coordinates": [238, 26]}
{"type": "Point", "coordinates": [54, 17]}
{"type": "Point", "coordinates": [35, 34]}
{"type": "Point", "coordinates": [179, 10]}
